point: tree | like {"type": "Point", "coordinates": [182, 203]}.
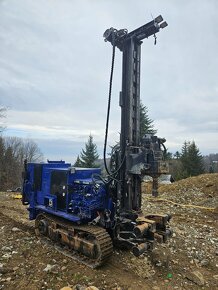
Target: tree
{"type": "Point", "coordinates": [146, 124]}
{"type": "Point", "coordinates": [167, 155]}
{"type": "Point", "coordinates": [78, 162]}
{"type": "Point", "coordinates": [177, 155]}
{"type": "Point", "coordinates": [191, 160]}
{"type": "Point", "coordinates": [2, 115]}
{"type": "Point", "coordinates": [13, 151]}
{"type": "Point", "coordinates": [24, 149]}
{"type": "Point", "coordinates": [89, 155]}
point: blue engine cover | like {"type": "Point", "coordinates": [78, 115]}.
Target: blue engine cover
{"type": "Point", "coordinates": [65, 191]}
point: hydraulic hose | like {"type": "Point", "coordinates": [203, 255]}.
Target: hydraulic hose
{"type": "Point", "coordinates": [109, 104]}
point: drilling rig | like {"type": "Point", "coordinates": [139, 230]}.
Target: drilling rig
{"type": "Point", "coordinates": [89, 213]}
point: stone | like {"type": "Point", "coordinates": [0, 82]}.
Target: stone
{"type": "Point", "coordinates": [4, 270]}
{"type": "Point", "coordinates": [215, 277]}
{"type": "Point", "coordinates": [66, 288]}
{"type": "Point", "coordinates": [204, 262]}
{"type": "Point", "coordinates": [49, 267]}
{"type": "Point", "coordinates": [15, 229]}
{"type": "Point", "coordinates": [92, 288]}
{"type": "Point", "coordinates": [195, 277]}
{"type": "Point", "coordinates": [6, 256]}
{"type": "Point", "coordinates": [6, 248]}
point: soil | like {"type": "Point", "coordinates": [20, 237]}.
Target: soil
{"type": "Point", "coordinates": [189, 260]}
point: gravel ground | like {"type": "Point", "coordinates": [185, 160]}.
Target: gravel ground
{"type": "Point", "coordinates": [188, 261]}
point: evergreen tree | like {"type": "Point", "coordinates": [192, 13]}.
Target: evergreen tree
{"type": "Point", "coordinates": [78, 162]}
{"type": "Point", "coordinates": [177, 155]}
{"type": "Point", "coordinates": [167, 155]}
{"type": "Point", "coordinates": [89, 155]}
{"type": "Point", "coordinates": [191, 160]}
{"type": "Point", "coordinates": [146, 124]}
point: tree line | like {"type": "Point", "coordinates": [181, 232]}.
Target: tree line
{"type": "Point", "coordinates": [13, 152]}
{"type": "Point", "coordinates": [184, 163]}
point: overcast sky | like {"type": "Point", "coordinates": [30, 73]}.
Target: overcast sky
{"type": "Point", "coordinates": [55, 67]}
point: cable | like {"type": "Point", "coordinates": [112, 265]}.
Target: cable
{"type": "Point", "coordinates": [110, 174]}
{"type": "Point", "coordinates": [109, 103]}
{"type": "Point", "coordinates": [183, 205]}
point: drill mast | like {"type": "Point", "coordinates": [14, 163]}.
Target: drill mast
{"type": "Point", "coordinates": [134, 159]}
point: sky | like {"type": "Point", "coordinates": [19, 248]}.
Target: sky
{"type": "Point", "coordinates": [55, 68]}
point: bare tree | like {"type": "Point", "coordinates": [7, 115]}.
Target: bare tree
{"type": "Point", "coordinates": [32, 152]}
{"type": "Point", "coordinates": [24, 149]}
{"type": "Point", "coordinates": [13, 152]}
{"type": "Point", "coordinates": [2, 115]}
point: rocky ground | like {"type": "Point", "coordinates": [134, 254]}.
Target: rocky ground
{"type": "Point", "coordinates": [188, 261]}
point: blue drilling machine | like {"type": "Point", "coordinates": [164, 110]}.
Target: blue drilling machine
{"type": "Point", "coordinates": [78, 208]}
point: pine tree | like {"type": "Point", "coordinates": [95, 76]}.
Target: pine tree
{"type": "Point", "coordinates": [184, 158]}
{"type": "Point", "coordinates": [146, 124]}
{"type": "Point", "coordinates": [195, 160]}
{"type": "Point", "coordinates": [167, 155]}
{"type": "Point", "coordinates": [78, 162]}
{"type": "Point", "coordinates": [89, 155]}
{"type": "Point", "coordinates": [177, 155]}
{"type": "Point", "coordinates": [191, 160]}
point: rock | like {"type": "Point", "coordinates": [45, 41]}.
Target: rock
{"type": "Point", "coordinates": [5, 270]}
{"type": "Point", "coordinates": [204, 262]}
{"type": "Point", "coordinates": [215, 277]}
{"type": "Point", "coordinates": [15, 229]}
{"type": "Point", "coordinates": [49, 267]}
{"type": "Point", "coordinates": [6, 248]}
{"type": "Point", "coordinates": [6, 256]}
{"type": "Point", "coordinates": [92, 288]}
{"type": "Point", "coordinates": [195, 277]}
{"type": "Point", "coordinates": [66, 288]}
{"type": "Point", "coordinates": [14, 252]}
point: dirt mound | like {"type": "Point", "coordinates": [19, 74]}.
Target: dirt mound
{"type": "Point", "coordinates": [204, 183]}
{"type": "Point", "coordinates": [196, 189]}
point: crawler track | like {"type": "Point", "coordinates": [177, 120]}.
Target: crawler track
{"type": "Point", "coordinates": [90, 245]}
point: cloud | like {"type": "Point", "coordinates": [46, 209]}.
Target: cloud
{"type": "Point", "coordinates": [55, 66]}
